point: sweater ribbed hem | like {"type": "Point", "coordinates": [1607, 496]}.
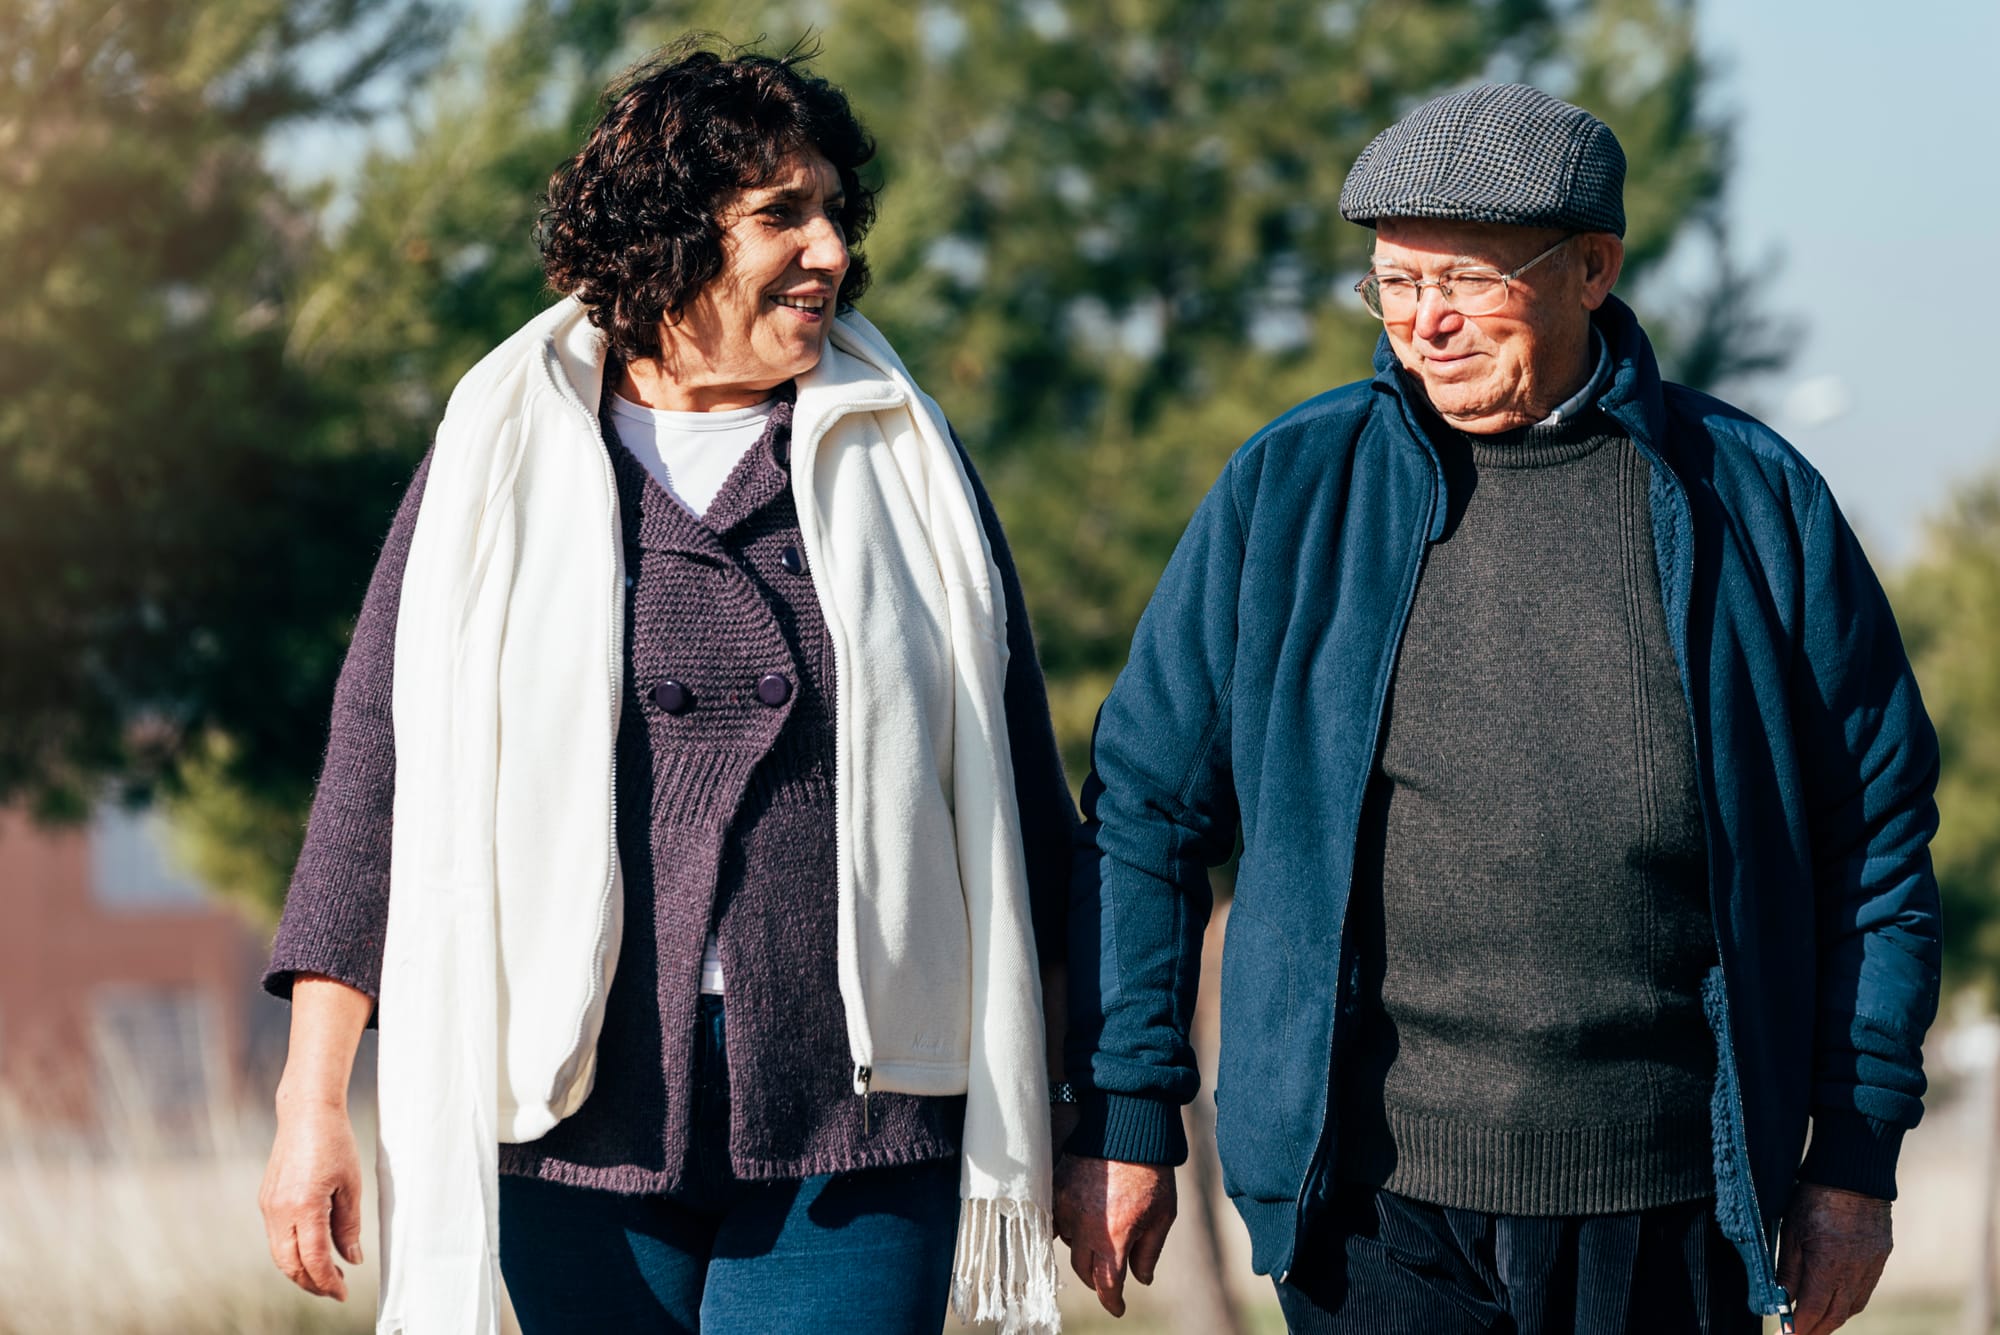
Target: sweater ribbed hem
{"type": "Point", "coordinates": [1606, 1169]}
{"type": "Point", "coordinates": [1128, 1129]}
{"type": "Point", "coordinates": [632, 1180]}
{"type": "Point", "coordinates": [1852, 1152]}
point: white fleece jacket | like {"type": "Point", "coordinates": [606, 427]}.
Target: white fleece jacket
{"type": "Point", "coordinates": [504, 913]}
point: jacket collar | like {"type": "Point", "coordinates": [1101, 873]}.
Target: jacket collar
{"type": "Point", "coordinates": [575, 353]}
{"type": "Point", "coordinates": [857, 372]}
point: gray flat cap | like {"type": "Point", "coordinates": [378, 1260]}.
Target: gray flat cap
{"type": "Point", "coordinates": [1498, 153]}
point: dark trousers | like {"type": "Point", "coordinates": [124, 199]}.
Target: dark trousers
{"type": "Point", "coordinates": [1379, 1264]}
{"type": "Point", "coordinates": [864, 1251]}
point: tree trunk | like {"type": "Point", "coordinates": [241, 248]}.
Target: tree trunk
{"type": "Point", "coordinates": [1209, 1305]}
{"type": "Point", "coordinates": [1978, 1318]}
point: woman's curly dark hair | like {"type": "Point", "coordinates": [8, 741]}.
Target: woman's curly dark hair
{"type": "Point", "coordinates": [630, 223]}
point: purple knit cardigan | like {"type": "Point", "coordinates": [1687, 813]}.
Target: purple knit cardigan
{"type": "Point", "coordinates": [725, 818]}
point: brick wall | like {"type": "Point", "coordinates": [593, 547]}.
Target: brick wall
{"type": "Point", "coordinates": [122, 989]}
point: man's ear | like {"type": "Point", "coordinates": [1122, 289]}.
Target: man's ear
{"type": "Point", "coordinates": [1602, 256]}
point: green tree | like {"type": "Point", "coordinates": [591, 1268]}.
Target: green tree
{"type": "Point", "coordinates": [1110, 247]}
{"type": "Point", "coordinates": [178, 526]}
{"type": "Point", "coordinates": [1948, 604]}
{"type": "Point", "coordinates": [434, 264]}
{"type": "Point", "coordinates": [1113, 248]}
{"type": "Point", "coordinates": [1110, 244]}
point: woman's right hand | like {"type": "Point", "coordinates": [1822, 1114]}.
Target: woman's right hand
{"type": "Point", "coordinates": [311, 1197]}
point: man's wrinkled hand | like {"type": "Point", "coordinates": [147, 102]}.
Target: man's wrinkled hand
{"type": "Point", "coordinates": [1115, 1217]}
{"type": "Point", "coordinates": [1830, 1253]}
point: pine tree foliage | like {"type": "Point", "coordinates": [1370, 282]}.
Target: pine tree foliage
{"type": "Point", "coordinates": [1109, 246]}
{"type": "Point", "coordinates": [1113, 247]}
{"type": "Point", "coordinates": [177, 535]}
{"type": "Point", "coordinates": [1948, 603]}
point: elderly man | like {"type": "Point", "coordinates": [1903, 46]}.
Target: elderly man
{"type": "Point", "coordinates": [1585, 798]}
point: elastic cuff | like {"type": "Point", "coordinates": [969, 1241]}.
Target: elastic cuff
{"type": "Point", "coordinates": [1852, 1152]}
{"type": "Point", "coordinates": [1128, 1129]}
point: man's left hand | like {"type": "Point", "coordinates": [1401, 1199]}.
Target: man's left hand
{"type": "Point", "coordinates": [1830, 1253]}
{"type": "Point", "coordinates": [1113, 1216]}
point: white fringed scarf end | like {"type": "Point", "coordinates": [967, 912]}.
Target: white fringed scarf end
{"type": "Point", "coordinates": [1005, 1270]}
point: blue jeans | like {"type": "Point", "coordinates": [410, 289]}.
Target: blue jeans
{"type": "Point", "coordinates": [866, 1251]}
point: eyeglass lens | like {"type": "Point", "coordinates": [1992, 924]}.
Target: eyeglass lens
{"type": "Point", "coordinates": [1395, 298]}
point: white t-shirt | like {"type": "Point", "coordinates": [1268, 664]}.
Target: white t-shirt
{"type": "Point", "coordinates": [690, 454]}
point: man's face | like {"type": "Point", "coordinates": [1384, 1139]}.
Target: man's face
{"type": "Point", "coordinates": [1515, 366]}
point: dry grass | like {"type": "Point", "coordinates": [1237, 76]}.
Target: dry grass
{"type": "Point", "coordinates": [134, 1232]}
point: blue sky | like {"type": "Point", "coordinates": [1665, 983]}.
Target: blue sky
{"type": "Point", "coordinates": [1868, 145]}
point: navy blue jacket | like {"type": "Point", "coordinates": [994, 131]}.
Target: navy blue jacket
{"type": "Point", "coordinates": [1253, 702]}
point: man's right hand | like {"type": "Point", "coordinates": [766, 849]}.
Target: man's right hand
{"type": "Point", "coordinates": [1114, 1216]}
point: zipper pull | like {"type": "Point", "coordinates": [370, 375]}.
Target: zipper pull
{"type": "Point", "coordinates": [862, 1074]}
{"type": "Point", "coordinates": [1785, 1324]}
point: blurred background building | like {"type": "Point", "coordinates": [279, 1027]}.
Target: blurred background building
{"type": "Point", "coordinates": [126, 991]}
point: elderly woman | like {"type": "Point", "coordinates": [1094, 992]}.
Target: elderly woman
{"type": "Point", "coordinates": [729, 834]}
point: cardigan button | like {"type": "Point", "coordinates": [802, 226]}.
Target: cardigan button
{"type": "Point", "coordinates": [793, 561]}
{"type": "Point", "coordinates": [672, 697]}
{"type": "Point", "coordinates": [774, 688]}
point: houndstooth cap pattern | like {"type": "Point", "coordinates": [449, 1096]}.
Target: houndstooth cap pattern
{"type": "Point", "coordinates": [1497, 153]}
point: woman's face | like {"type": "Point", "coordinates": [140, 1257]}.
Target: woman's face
{"type": "Point", "coordinates": [763, 319]}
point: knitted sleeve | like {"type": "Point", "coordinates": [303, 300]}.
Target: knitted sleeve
{"type": "Point", "coordinates": [337, 908]}
{"type": "Point", "coordinates": [1048, 815]}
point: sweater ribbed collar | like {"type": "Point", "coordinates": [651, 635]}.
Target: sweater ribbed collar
{"type": "Point", "coordinates": [658, 522]}
{"type": "Point", "coordinates": [1545, 444]}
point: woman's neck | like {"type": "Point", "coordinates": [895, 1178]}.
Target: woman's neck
{"type": "Point", "coordinates": [649, 384]}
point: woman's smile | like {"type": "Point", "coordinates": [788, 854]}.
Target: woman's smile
{"type": "Point", "coordinates": [810, 308]}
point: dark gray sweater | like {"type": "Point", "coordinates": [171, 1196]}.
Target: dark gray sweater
{"type": "Point", "coordinates": [725, 818]}
{"type": "Point", "coordinates": [1529, 904]}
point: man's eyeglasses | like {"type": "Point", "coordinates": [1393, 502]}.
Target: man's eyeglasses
{"type": "Point", "coordinates": [1474, 292]}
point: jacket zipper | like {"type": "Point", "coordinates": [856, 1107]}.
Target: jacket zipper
{"type": "Point", "coordinates": [1314, 1165]}
{"type": "Point", "coordinates": [1767, 1259]}
{"type": "Point", "coordinates": [864, 1070]}
{"type": "Point", "coordinates": [1765, 1255]}
{"type": "Point", "coordinates": [614, 651]}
